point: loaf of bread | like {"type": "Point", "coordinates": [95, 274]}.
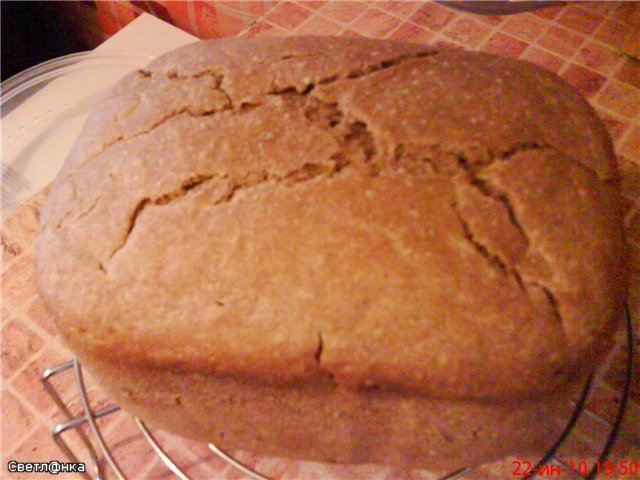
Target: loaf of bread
{"type": "Point", "coordinates": [339, 249]}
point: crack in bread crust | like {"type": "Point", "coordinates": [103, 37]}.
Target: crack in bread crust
{"type": "Point", "coordinates": [351, 136]}
{"type": "Point", "coordinates": [510, 271]}
{"type": "Point", "coordinates": [358, 150]}
{"type": "Point", "coordinates": [237, 104]}
{"type": "Point", "coordinates": [356, 141]}
{"type": "Point", "coordinates": [553, 302]}
{"type": "Point", "coordinates": [485, 252]}
{"type": "Point", "coordinates": [354, 74]}
{"type": "Point", "coordinates": [489, 190]}
{"type": "Point", "coordinates": [188, 185]}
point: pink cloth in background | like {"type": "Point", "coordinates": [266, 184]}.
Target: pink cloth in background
{"type": "Point", "coordinates": [98, 20]}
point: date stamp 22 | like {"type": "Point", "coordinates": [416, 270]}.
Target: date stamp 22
{"type": "Point", "coordinates": [523, 468]}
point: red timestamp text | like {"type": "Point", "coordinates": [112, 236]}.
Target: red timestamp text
{"type": "Point", "coordinates": [523, 468]}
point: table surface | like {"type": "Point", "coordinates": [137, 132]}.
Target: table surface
{"type": "Point", "coordinates": [578, 41]}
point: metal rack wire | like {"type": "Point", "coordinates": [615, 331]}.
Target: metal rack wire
{"type": "Point", "coordinates": [89, 416]}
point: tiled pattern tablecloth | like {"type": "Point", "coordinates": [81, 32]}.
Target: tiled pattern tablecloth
{"type": "Point", "coordinates": [579, 41]}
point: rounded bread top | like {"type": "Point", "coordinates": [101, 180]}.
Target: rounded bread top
{"type": "Point", "coordinates": [366, 213]}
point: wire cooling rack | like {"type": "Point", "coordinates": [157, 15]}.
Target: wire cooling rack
{"type": "Point", "coordinates": [89, 416]}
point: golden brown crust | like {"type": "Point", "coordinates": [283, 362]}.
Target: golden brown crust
{"type": "Point", "coordinates": [379, 214]}
{"type": "Point", "coordinates": [327, 423]}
